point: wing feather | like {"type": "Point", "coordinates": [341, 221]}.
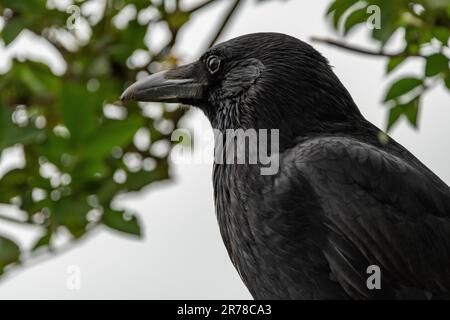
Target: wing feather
{"type": "Point", "coordinates": [379, 208]}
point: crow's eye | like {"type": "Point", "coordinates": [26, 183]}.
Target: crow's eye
{"type": "Point", "coordinates": [213, 64]}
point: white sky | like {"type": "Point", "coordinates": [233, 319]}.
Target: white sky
{"type": "Point", "coordinates": [182, 255]}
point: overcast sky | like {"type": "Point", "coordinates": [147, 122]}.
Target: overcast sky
{"type": "Point", "coordinates": [182, 254]}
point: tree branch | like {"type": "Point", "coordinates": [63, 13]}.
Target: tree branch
{"type": "Point", "coordinates": [201, 6]}
{"type": "Point", "coordinates": [225, 21]}
{"type": "Point", "coordinates": [380, 53]}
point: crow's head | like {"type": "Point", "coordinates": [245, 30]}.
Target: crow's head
{"type": "Point", "coordinates": [262, 80]}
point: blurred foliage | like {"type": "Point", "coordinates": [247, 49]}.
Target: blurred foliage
{"type": "Point", "coordinates": [79, 142]}
{"type": "Point", "coordinates": [423, 25]}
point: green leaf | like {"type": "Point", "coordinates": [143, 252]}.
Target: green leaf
{"type": "Point", "coordinates": [93, 169]}
{"type": "Point", "coordinates": [43, 241]}
{"type": "Point", "coordinates": [71, 212]}
{"type": "Point", "coordinates": [389, 11]}
{"type": "Point", "coordinates": [447, 81]}
{"type": "Point", "coordinates": [394, 63]}
{"type": "Point", "coordinates": [112, 133]}
{"type": "Point", "coordinates": [436, 64]}
{"type": "Point", "coordinates": [402, 87]}
{"type": "Point", "coordinates": [77, 107]}
{"type": "Point", "coordinates": [177, 19]}
{"type": "Point", "coordinates": [394, 114]}
{"type": "Point", "coordinates": [107, 191]}
{"type": "Point", "coordinates": [332, 7]}
{"type": "Point", "coordinates": [441, 33]}
{"type": "Point", "coordinates": [122, 222]}
{"type": "Point", "coordinates": [10, 134]}
{"type": "Point", "coordinates": [356, 17]}
{"type": "Point", "coordinates": [52, 149]}
{"type": "Point", "coordinates": [32, 81]}
{"type": "Point", "coordinates": [410, 110]}
{"type": "Point", "coordinates": [138, 180]}
{"type": "Point", "coordinates": [339, 9]}
{"type": "Point", "coordinates": [9, 253]}
{"type": "Point", "coordinates": [12, 29]}
{"type": "Point", "coordinates": [11, 183]}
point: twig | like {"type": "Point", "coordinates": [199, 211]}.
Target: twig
{"type": "Point", "coordinates": [224, 23]}
{"type": "Point", "coordinates": [201, 5]}
{"type": "Point", "coordinates": [380, 53]}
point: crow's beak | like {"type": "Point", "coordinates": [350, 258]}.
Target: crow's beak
{"type": "Point", "coordinates": [176, 85]}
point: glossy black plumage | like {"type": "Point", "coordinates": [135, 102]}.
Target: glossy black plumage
{"type": "Point", "coordinates": [343, 198]}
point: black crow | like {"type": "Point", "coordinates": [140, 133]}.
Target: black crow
{"type": "Point", "coordinates": [350, 214]}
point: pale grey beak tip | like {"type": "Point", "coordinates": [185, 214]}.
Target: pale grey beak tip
{"type": "Point", "coordinates": [129, 94]}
